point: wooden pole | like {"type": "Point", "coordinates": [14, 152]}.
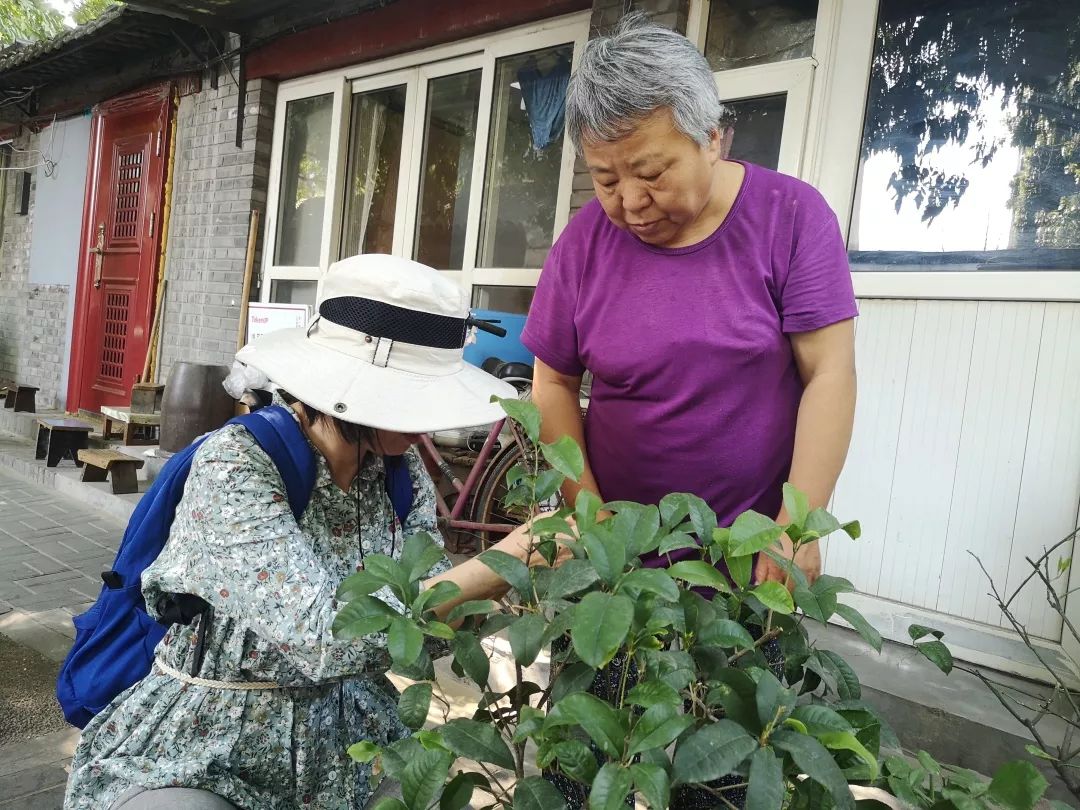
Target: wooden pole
{"type": "Point", "coordinates": [249, 265]}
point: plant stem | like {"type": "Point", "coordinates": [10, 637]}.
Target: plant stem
{"type": "Point", "coordinates": [765, 638]}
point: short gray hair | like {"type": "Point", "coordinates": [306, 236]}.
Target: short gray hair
{"type": "Point", "coordinates": [635, 70]}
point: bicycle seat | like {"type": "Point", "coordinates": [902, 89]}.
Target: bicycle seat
{"type": "Point", "coordinates": [519, 370]}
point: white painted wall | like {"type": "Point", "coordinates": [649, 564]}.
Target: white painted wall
{"type": "Point", "coordinates": [967, 437]}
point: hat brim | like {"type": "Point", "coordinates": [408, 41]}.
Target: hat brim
{"type": "Point", "coordinates": [384, 398]}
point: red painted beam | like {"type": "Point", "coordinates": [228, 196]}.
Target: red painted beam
{"type": "Point", "coordinates": [405, 25]}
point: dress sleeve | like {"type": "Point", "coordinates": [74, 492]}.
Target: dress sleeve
{"type": "Point", "coordinates": [816, 291]}
{"type": "Point", "coordinates": [551, 332]}
{"type": "Point", "coordinates": [235, 543]}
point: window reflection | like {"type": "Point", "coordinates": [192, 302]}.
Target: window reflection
{"type": "Point", "coordinates": [754, 128]}
{"type": "Point", "coordinates": [742, 33]}
{"type": "Point", "coordinates": [972, 136]}
{"type": "Point", "coordinates": [304, 162]}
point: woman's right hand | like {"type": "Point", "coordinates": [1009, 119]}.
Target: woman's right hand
{"type": "Point", "coordinates": [517, 544]}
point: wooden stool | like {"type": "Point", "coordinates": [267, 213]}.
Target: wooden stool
{"type": "Point", "coordinates": [100, 463]}
{"type": "Point", "coordinates": [139, 428]}
{"type": "Point", "coordinates": [58, 439]}
{"type": "Point", "coordinates": [20, 397]}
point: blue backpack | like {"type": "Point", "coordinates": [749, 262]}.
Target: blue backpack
{"type": "Point", "coordinates": [115, 639]}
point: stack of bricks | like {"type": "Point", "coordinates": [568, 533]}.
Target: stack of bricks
{"type": "Point", "coordinates": [33, 317]}
{"type": "Point", "coordinates": [215, 187]}
{"type": "Point", "coordinates": [605, 13]}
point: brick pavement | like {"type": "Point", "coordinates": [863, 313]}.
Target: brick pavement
{"type": "Point", "coordinates": [52, 552]}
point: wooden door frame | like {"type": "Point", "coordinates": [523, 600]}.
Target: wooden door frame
{"type": "Point", "coordinates": [155, 95]}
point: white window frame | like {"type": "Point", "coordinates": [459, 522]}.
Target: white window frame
{"type": "Point", "coordinates": [416, 69]}
{"type": "Point", "coordinates": [843, 55]}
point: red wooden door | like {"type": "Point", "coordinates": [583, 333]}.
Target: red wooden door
{"type": "Point", "coordinates": [121, 240]}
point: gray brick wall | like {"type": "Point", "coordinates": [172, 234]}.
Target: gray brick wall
{"type": "Point", "coordinates": [605, 13]}
{"type": "Point", "coordinates": [215, 187]}
{"type": "Point", "coordinates": [33, 317]}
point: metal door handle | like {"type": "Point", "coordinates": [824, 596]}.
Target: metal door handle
{"type": "Point", "coordinates": [99, 251]}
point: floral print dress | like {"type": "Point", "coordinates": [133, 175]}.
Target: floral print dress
{"type": "Point", "coordinates": [271, 584]}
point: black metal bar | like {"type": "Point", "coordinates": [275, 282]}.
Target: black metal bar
{"type": "Point", "coordinates": [241, 92]}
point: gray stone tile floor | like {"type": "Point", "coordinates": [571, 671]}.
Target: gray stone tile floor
{"type": "Point", "coordinates": [52, 553]}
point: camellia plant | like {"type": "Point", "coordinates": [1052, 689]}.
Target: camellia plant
{"type": "Point", "coordinates": [723, 695]}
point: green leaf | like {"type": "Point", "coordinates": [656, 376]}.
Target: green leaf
{"type": "Point", "coordinates": [820, 523]}
{"type": "Point", "coordinates": [1017, 785]}
{"type": "Point", "coordinates": [917, 631]}
{"type": "Point", "coordinates": [546, 485]}
{"type": "Point", "coordinates": [650, 580]}
{"type": "Point", "coordinates": [846, 741]}
{"type": "Point", "coordinates": [495, 623]}
{"type": "Point", "coordinates": [477, 741]}
{"type": "Point", "coordinates": [813, 759]}
{"type": "Point", "coordinates": [868, 632]}
{"type": "Point", "coordinates": [853, 529]}
{"type": "Point", "coordinates": [421, 668]}
{"type": "Point", "coordinates": [388, 803]}
{"type": "Point", "coordinates": [775, 597]}
{"type": "Point", "coordinates": [1035, 751]}
{"type": "Point", "coordinates": [657, 727]}
{"type": "Point", "coordinates": [392, 572]}
{"type": "Point", "coordinates": [712, 752]}
{"type": "Point", "coordinates": [585, 508]}
{"type": "Point", "coordinates": [600, 625]}
{"type": "Point", "coordinates": [526, 414]}
{"type": "Point", "coordinates": [766, 789]}
{"type": "Point", "coordinates": [827, 583]}
{"type": "Point", "coordinates": [699, 572]}
{"type": "Point", "coordinates": [753, 532]}
{"type": "Point", "coordinates": [815, 605]}
{"type": "Point", "coordinates": [774, 702]}
{"type": "Point", "coordinates": [820, 719]}
{"type": "Point", "coordinates": [938, 654]}
{"type": "Point", "coordinates": [740, 569]}
{"type": "Point", "coordinates": [653, 693]}
{"type": "Point", "coordinates": [437, 594]}
{"type": "Point", "coordinates": [364, 751]}
{"type": "Point", "coordinates": [565, 456]}
{"type": "Point", "coordinates": [796, 504]}
{"type": "Point", "coordinates": [536, 793]}
{"type": "Point", "coordinates": [458, 793]}
{"type": "Point", "coordinates": [653, 783]}
{"type": "Point", "coordinates": [606, 552]}
{"type": "Point", "coordinates": [676, 541]}
{"type": "Point", "coordinates": [438, 630]}
{"type": "Point", "coordinates": [611, 787]}
{"type": "Point", "coordinates": [470, 656]}
{"type": "Point", "coordinates": [420, 554]}
{"type": "Point", "coordinates": [525, 638]}
{"type": "Point", "coordinates": [929, 764]}
{"type": "Point", "coordinates": [794, 572]}
{"type": "Point", "coordinates": [727, 633]}
{"type": "Point", "coordinates": [404, 641]}
{"type": "Point", "coordinates": [673, 508]}
{"type": "Point", "coordinates": [577, 677]}
{"type": "Point", "coordinates": [702, 517]}
{"type": "Point", "coordinates": [424, 776]}
{"type": "Point", "coordinates": [847, 682]}
{"type": "Point", "coordinates": [576, 760]}
{"type": "Point", "coordinates": [363, 616]}
{"type": "Point", "coordinates": [510, 569]}
{"type": "Point", "coordinates": [571, 578]}
{"type": "Point", "coordinates": [413, 705]}
{"type": "Point", "coordinates": [362, 583]}
{"type": "Point", "coordinates": [474, 607]}
{"type": "Point", "coordinates": [551, 526]}
{"type": "Point", "coordinates": [600, 721]}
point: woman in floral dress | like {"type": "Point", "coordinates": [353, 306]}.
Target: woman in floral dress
{"type": "Point", "coordinates": [381, 364]}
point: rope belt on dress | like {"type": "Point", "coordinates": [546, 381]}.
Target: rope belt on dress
{"type": "Point", "coordinates": [210, 684]}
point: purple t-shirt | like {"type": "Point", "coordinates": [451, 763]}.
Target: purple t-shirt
{"type": "Point", "coordinates": [695, 387]}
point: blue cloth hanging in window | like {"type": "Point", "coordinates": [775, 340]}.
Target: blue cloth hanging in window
{"type": "Point", "coordinates": [545, 101]}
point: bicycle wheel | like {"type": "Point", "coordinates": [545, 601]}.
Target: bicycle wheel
{"type": "Point", "coordinates": [488, 505]}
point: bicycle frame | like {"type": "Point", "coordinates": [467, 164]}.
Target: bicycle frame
{"type": "Point", "coordinates": [451, 518]}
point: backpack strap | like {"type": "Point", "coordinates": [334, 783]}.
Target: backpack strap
{"type": "Point", "coordinates": [277, 433]}
{"type": "Point", "coordinates": [399, 486]}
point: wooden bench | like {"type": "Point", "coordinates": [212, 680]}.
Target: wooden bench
{"type": "Point", "coordinates": [21, 398]}
{"type": "Point", "coordinates": [139, 428]}
{"type": "Point", "coordinates": [99, 464]}
{"type": "Point", "coordinates": [58, 439]}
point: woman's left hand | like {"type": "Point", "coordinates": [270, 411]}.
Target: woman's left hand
{"type": "Point", "coordinates": [808, 559]}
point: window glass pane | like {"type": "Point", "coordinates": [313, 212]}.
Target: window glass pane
{"type": "Point", "coordinates": [972, 137]}
{"type": "Point", "coordinates": [515, 300]}
{"type": "Point", "coordinates": [293, 292]}
{"type": "Point", "coordinates": [753, 128]}
{"type": "Point", "coordinates": [305, 157]}
{"type": "Point", "coordinates": [524, 158]}
{"type": "Point", "coordinates": [741, 33]}
{"type": "Point", "coordinates": [371, 179]}
{"type": "Point", "coordinates": [453, 105]}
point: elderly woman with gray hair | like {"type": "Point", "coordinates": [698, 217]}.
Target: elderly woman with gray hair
{"type": "Point", "coordinates": [711, 299]}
